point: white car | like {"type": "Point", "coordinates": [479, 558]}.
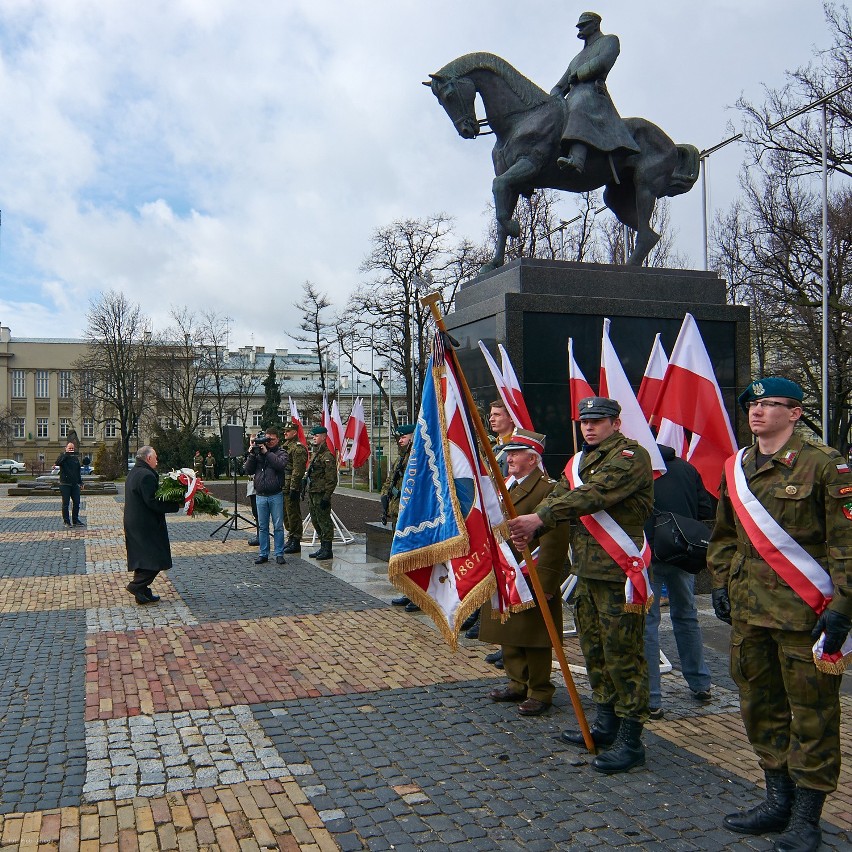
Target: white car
{"type": "Point", "coordinates": [11, 466]}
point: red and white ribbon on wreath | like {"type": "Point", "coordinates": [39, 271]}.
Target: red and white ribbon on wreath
{"type": "Point", "coordinates": [790, 561]}
{"type": "Point", "coordinates": [186, 477]}
{"type": "Point", "coordinates": [619, 546]}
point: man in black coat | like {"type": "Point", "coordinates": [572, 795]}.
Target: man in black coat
{"type": "Point", "coordinates": [145, 532]}
{"type": "Point", "coordinates": [70, 480]}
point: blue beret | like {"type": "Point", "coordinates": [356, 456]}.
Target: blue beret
{"type": "Point", "coordinates": [596, 407]}
{"type": "Point", "coordinates": [319, 430]}
{"type": "Point", "coordinates": [405, 429]}
{"type": "Point", "coordinates": [770, 386]}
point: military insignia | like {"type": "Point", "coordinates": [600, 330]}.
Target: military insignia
{"type": "Point", "coordinates": [757, 388]}
{"type": "Point", "coordinates": [589, 403]}
{"type": "Point", "coordinates": [789, 457]}
{"type": "Point", "coordinates": [847, 511]}
{"type": "Point", "coordinates": [627, 454]}
{"type": "Point", "coordinates": [847, 489]}
{"type": "Point", "coordinates": [842, 467]}
{"type": "Point", "coordinates": [791, 489]}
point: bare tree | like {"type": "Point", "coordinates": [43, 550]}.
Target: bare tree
{"type": "Point", "coordinates": [317, 328]}
{"type": "Point", "coordinates": [116, 367]}
{"type": "Point", "coordinates": [215, 332]}
{"type": "Point", "coordinates": [609, 241]}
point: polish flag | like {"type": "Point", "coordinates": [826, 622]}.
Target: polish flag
{"type": "Point", "coordinates": [336, 427]}
{"type": "Point", "coordinates": [690, 396]}
{"type": "Point", "coordinates": [325, 420]}
{"type": "Point", "coordinates": [358, 450]}
{"type": "Point", "coordinates": [578, 387]}
{"type": "Point", "coordinates": [668, 433]}
{"type": "Point", "coordinates": [615, 385]}
{"type": "Point", "coordinates": [508, 387]}
{"type": "Point", "coordinates": [294, 414]}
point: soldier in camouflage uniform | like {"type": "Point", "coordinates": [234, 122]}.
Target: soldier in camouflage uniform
{"type": "Point", "coordinates": [393, 484]}
{"type": "Point", "coordinates": [198, 463]}
{"type": "Point", "coordinates": [617, 478]}
{"type": "Point", "coordinates": [791, 710]}
{"type": "Point", "coordinates": [293, 476]}
{"type": "Point", "coordinates": [322, 480]}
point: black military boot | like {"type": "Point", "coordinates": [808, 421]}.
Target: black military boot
{"type": "Point", "coordinates": [316, 553]}
{"type": "Point", "coordinates": [325, 551]}
{"type": "Point", "coordinates": [627, 751]}
{"type": "Point", "coordinates": [293, 546]}
{"type": "Point", "coordinates": [603, 731]}
{"type": "Point", "coordinates": [803, 834]}
{"type": "Point", "coordinates": [773, 814]}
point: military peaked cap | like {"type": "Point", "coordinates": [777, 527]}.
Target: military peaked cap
{"type": "Point", "coordinates": [290, 424]}
{"type": "Point", "coordinates": [589, 16]}
{"type": "Point", "coordinates": [596, 407]}
{"type": "Point", "coordinates": [770, 386]}
{"type": "Point", "coordinates": [523, 439]}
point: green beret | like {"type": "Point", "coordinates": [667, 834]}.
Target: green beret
{"type": "Point", "coordinates": [597, 407]}
{"type": "Point", "coordinates": [770, 386]}
{"type": "Point", "coordinates": [319, 430]}
{"type": "Point", "coordinates": [405, 429]}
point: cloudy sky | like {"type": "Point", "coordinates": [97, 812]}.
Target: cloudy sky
{"type": "Point", "coordinates": [218, 153]}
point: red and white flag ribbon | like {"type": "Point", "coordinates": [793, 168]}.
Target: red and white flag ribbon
{"type": "Point", "coordinates": [186, 477]}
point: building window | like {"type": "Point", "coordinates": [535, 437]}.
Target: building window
{"type": "Point", "coordinates": [19, 384]}
{"type": "Point", "coordinates": [65, 384]}
{"type": "Point", "coordinates": [109, 429]}
{"type": "Point", "coordinates": [378, 417]}
{"type": "Point", "coordinates": [18, 427]}
{"type": "Point", "coordinates": [88, 427]}
{"type": "Point", "coordinates": [88, 385]}
{"type": "Point", "coordinates": [64, 426]}
{"type": "Point", "coordinates": [256, 417]}
{"type": "Point", "coordinates": [41, 427]}
{"type": "Point", "coordinates": [206, 418]}
{"type": "Point", "coordinates": [231, 419]}
{"type": "Point", "coordinates": [42, 384]}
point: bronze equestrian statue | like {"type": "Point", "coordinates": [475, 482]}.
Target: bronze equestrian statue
{"type": "Point", "coordinates": [572, 139]}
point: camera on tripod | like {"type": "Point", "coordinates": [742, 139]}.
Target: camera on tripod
{"type": "Point", "coordinates": [259, 438]}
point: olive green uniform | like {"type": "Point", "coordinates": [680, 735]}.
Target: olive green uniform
{"type": "Point", "coordinates": [210, 467]}
{"type": "Point", "coordinates": [198, 464]}
{"type": "Point", "coordinates": [527, 651]}
{"type": "Point", "coordinates": [618, 479]}
{"type": "Point", "coordinates": [791, 710]}
{"type": "Point", "coordinates": [393, 484]}
{"type": "Point", "coordinates": [322, 480]}
{"type": "Point", "coordinates": [297, 456]}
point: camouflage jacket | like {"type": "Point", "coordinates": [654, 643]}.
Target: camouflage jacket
{"type": "Point", "coordinates": [298, 461]}
{"type": "Point", "coordinates": [807, 489]}
{"type": "Point", "coordinates": [617, 478]}
{"type": "Point", "coordinates": [393, 483]}
{"type": "Point", "coordinates": [322, 472]}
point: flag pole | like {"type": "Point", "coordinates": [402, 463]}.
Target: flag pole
{"type": "Point", "coordinates": [431, 301]}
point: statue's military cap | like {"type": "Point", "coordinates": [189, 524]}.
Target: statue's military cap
{"type": "Point", "coordinates": [596, 407]}
{"type": "Point", "coordinates": [770, 386]}
{"type": "Point", "coordinates": [319, 430]}
{"type": "Point", "coordinates": [405, 429]}
{"type": "Point", "coordinates": [586, 17]}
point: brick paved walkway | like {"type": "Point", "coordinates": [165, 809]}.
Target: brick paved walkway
{"type": "Point", "coordinates": [288, 707]}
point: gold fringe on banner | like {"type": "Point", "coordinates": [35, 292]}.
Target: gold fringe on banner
{"type": "Point", "coordinates": [837, 668]}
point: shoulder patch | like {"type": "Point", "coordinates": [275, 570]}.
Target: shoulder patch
{"type": "Point", "coordinates": [842, 467]}
{"type": "Point", "coordinates": [628, 453]}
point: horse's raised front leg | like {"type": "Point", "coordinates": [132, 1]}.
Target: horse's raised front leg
{"type": "Point", "coordinates": [507, 188]}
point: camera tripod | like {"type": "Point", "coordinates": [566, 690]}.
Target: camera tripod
{"type": "Point", "coordinates": [233, 519]}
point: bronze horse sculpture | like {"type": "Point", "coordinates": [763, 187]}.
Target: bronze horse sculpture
{"type": "Point", "coordinates": [528, 122]}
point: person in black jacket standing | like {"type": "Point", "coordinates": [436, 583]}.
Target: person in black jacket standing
{"type": "Point", "coordinates": [70, 480]}
{"type": "Point", "coordinates": [678, 490]}
{"type": "Point", "coordinates": [145, 532]}
{"type": "Point", "coordinates": [267, 463]}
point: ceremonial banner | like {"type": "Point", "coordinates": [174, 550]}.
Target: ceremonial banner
{"type": "Point", "coordinates": [444, 552]}
{"type": "Point", "coordinates": [358, 449]}
{"type": "Point", "coordinates": [508, 387]}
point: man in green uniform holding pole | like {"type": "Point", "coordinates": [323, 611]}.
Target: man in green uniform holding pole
{"type": "Point", "coordinates": [322, 480]}
{"type": "Point", "coordinates": [293, 476]}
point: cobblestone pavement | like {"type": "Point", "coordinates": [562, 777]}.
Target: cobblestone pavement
{"type": "Point", "coordinates": [289, 707]}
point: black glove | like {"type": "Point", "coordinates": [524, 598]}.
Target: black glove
{"type": "Point", "coordinates": [836, 627]}
{"type": "Point", "coordinates": [325, 503]}
{"type": "Point", "coordinates": [721, 604]}
{"type": "Point", "coordinates": [295, 494]}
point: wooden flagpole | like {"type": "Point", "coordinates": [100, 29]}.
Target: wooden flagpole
{"type": "Point", "coordinates": [431, 301]}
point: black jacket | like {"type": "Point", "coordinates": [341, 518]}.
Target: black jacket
{"type": "Point", "coordinates": [69, 469]}
{"type": "Point", "coordinates": [268, 470]}
{"type": "Point", "coordinates": [145, 532]}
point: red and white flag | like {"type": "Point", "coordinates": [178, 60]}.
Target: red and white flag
{"type": "Point", "coordinates": [336, 428]}
{"type": "Point", "coordinates": [669, 434]}
{"type": "Point", "coordinates": [615, 385]}
{"type": "Point", "coordinates": [325, 420]}
{"type": "Point", "coordinates": [294, 414]}
{"type": "Point", "coordinates": [690, 396]}
{"type": "Point", "coordinates": [358, 448]}
{"type": "Point", "coordinates": [578, 387]}
{"type": "Point", "coordinates": [508, 387]}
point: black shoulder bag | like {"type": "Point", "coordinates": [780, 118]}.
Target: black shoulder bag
{"type": "Point", "coordinates": [680, 541]}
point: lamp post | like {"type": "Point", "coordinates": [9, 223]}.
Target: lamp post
{"type": "Point", "coordinates": [381, 374]}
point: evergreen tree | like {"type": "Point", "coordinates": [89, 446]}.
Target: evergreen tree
{"type": "Point", "coordinates": [272, 402]}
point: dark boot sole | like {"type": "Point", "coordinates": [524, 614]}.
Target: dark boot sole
{"type": "Point", "coordinates": [606, 770]}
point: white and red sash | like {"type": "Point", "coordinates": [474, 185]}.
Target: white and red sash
{"type": "Point", "coordinates": [619, 546]}
{"type": "Point", "coordinates": [793, 564]}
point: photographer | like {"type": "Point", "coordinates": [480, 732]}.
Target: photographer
{"type": "Point", "coordinates": [267, 463]}
{"type": "Point", "coordinates": [70, 480]}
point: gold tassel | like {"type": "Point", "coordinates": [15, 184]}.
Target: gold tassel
{"type": "Point", "coordinates": [837, 668]}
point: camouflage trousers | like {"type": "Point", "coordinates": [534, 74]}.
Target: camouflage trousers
{"type": "Point", "coordinates": [791, 710]}
{"type": "Point", "coordinates": [613, 646]}
{"type": "Point", "coordinates": [321, 519]}
{"type": "Point", "coordinates": [293, 516]}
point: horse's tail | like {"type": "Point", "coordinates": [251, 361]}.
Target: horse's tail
{"type": "Point", "coordinates": [686, 171]}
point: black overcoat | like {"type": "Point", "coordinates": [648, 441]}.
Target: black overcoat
{"type": "Point", "coordinates": [145, 530]}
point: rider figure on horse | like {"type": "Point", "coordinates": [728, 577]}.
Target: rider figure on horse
{"type": "Point", "coordinates": [592, 118]}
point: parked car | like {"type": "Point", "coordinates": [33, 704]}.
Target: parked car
{"type": "Point", "coordinates": [11, 466]}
